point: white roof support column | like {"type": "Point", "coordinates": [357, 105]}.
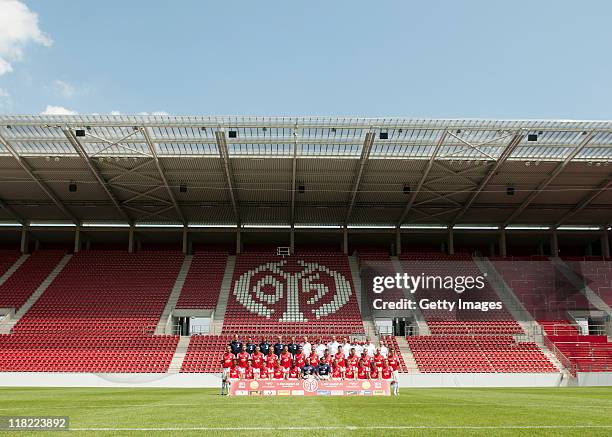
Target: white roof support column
{"type": "Point", "coordinates": [605, 243]}
{"type": "Point", "coordinates": [185, 241]}
{"type": "Point", "coordinates": [229, 175]}
{"type": "Point", "coordinates": [25, 239]}
{"type": "Point", "coordinates": [514, 142]}
{"type": "Point", "coordinates": [43, 186]}
{"type": "Point", "coordinates": [76, 144]}
{"type": "Point", "coordinates": [554, 244]}
{"type": "Point", "coordinates": [398, 242]}
{"type": "Point", "coordinates": [160, 170]}
{"type": "Point", "coordinates": [131, 239]}
{"type": "Point", "coordinates": [365, 154]}
{"type": "Point", "coordinates": [417, 190]}
{"type": "Point", "coordinates": [77, 239]}
{"type": "Point", "coordinates": [551, 177]}
{"type": "Point", "coordinates": [502, 243]}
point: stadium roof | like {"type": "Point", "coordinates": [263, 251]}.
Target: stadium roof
{"type": "Point", "coordinates": [304, 171]}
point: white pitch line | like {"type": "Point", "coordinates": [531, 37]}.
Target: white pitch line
{"type": "Point", "coordinates": [347, 427]}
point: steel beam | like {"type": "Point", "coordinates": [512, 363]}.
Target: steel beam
{"type": "Point", "coordinates": [551, 177]}
{"type": "Point", "coordinates": [437, 196]}
{"type": "Point", "coordinates": [229, 175]}
{"type": "Point", "coordinates": [83, 154]}
{"type": "Point", "coordinates": [426, 171]}
{"type": "Point", "coordinates": [293, 181]}
{"type": "Point", "coordinates": [42, 184]}
{"type": "Point", "coordinates": [287, 123]}
{"type": "Point", "coordinates": [516, 139]}
{"type": "Point", "coordinates": [11, 212]}
{"type": "Point", "coordinates": [147, 137]}
{"type": "Point", "coordinates": [586, 200]}
{"type": "Point", "coordinates": [365, 154]}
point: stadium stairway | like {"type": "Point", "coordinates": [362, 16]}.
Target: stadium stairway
{"type": "Point", "coordinates": [407, 354]}
{"type": "Point", "coordinates": [164, 326]}
{"type": "Point", "coordinates": [512, 304]}
{"type": "Point", "coordinates": [577, 282]}
{"type": "Point", "coordinates": [422, 327]}
{"type": "Point", "coordinates": [179, 355]}
{"type": "Point", "coordinates": [8, 324]}
{"type": "Point", "coordinates": [12, 269]}
{"type": "Point", "coordinates": [369, 326]}
{"type": "Point", "coordinates": [226, 285]}
{"type": "Point", "coordinates": [523, 317]}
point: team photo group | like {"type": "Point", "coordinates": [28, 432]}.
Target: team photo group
{"type": "Point", "coordinates": [344, 360]}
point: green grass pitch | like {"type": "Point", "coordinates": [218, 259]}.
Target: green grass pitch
{"type": "Point", "coordinates": [486, 412]}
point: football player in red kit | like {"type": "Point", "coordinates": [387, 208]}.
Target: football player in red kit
{"type": "Point", "coordinates": [363, 372]}
{"type": "Point", "coordinates": [271, 358]}
{"type": "Point", "coordinates": [279, 372]}
{"type": "Point", "coordinates": [248, 372]}
{"type": "Point", "coordinates": [232, 374]}
{"type": "Point", "coordinates": [378, 359]}
{"type": "Point", "coordinates": [350, 372]}
{"type": "Point", "coordinates": [226, 364]}
{"type": "Point", "coordinates": [340, 358]}
{"type": "Point", "coordinates": [300, 358]}
{"type": "Point", "coordinates": [234, 371]}
{"type": "Point", "coordinates": [367, 360]}
{"type": "Point", "coordinates": [295, 371]}
{"type": "Point", "coordinates": [337, 372]}
{"type": "Point", "coordinates": [393, 360]}
{"type": "Point", "coordinates": [386, 372]}
{"type": "Point", "coordinates": [352, 360]}
{"type": "Point", "coordinates": [268, 371]}
{"type": "Point", "coordinates": [257, 361]}
{"type": "Point", "coordinates": [374, 371]}
{"type": "Point", "coordinates": [243, 357]}
{"type": "Point", "coordinates": [286, 358]}
{"type": "Point", "coordinates": [313, 359]}
{"type": "Point", "coordinates": [327, 358]}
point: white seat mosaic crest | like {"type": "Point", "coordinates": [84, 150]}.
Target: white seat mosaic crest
{"type": "Point", "coordinates": [261, 289]}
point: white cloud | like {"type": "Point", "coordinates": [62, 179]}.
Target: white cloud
{"type": "Point", "coordinates": [57, 110]}
{"type": "Point", "coordinates": [5, 99]}
{"type": "Point", "coordinates": [115, 113]}
{"type": "Point", "coordinates": [18, 27]}
{"type": "Point", "coordinates": [64, 88]}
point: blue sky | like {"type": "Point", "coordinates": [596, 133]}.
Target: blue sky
{"type": "Point", "coordinates": [490, 59]}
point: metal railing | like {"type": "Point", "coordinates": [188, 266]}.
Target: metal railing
{"type": "Point", "coordinates": [566, 362]}
{"type": "Point", "coordinates": [562, 328]}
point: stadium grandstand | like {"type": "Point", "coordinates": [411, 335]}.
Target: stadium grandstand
{"type": "Point", "coordinates": [140, 245]}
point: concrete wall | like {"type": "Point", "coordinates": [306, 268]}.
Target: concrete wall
{"type": "Point", "coordinates": [480, 380]}
{"type": "Point", "coordinates": [211, 380]}
{"type": "Point", "coordinates": [30, 379]}
{"type": "Point", "coordinates": [595, 379]}
{"type": "Point", "coordinates": [193, 380]}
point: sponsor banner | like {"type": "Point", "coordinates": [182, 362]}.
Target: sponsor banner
{"type": "Point", "coordinates": [309, 387]}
